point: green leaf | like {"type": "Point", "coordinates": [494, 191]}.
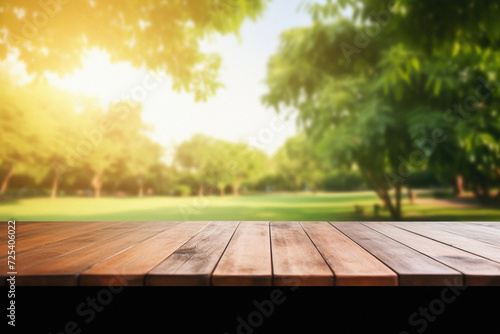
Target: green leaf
{"type": "Point", "coordinates": [437, 87]}
{"type": "Point", "coordinates": [456, 49]}
{"type": "Point", "coordinates": [416, 63]}
{"type": "Point", "coordinates": [404, 75]}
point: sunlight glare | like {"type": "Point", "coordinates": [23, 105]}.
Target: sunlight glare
{"type": "Point", "coordinates": [98, 77]}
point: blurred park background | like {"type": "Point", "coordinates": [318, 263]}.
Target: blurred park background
{"type": "Point", "coordinates": [250, 110]}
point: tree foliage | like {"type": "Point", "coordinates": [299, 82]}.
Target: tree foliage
{"type": "Point", "coordinates": [300, 163]}
{"type": "Point", "coordinates": [373, 89]}
{"type": "Point", "coordinates": [218, 163]}
{"type": "Point", "coordinates": [52, 35]}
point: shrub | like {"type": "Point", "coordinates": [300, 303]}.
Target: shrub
{"type": "Point", "coordinates": [344, 181]}
{"type": "Point", "coordinates": [182, 190]}
{"type": "Point", "coordinates": [424, 179]}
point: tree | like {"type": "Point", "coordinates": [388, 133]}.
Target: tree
{"type": "Point", "coordinates": [459, 45]}
{"type": "Point", "coordinates": [159, 35]}
{"type": "Point", "coordinates": [56, 120]}
{"type": "Point", "coordinates": [297, 160]}
{"type": "Point", "coordinates": [140, 155]}
{"type": "Point", "coordinates": [379, 104]}
{"type": "Point", "coordinates": [245, 165]}
{"type": "Point", "coordinates": [194, 156]}
{"type": "Point", "coordinates": [219, 163]}
{"type": "Point", "coordinates": [107, 138]}
{"type": "Point", "coordinates": [339, 108]}
{"type": "Point", "coordinates": [19, 140]}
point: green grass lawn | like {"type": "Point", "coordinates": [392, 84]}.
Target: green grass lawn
{"type": "Point", "coordinates": [299, 207]}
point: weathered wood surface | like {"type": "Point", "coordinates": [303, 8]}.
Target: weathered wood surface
{"type": "Point", "coordinates": [247, 259]}
{"type": "Point", "coordinates": [468, 244]}
{"type": "Point", "coordinates": [194, 262]}
{"type": "Point", "coordinates": [352, 265]}
{"type": "Point", "coordinates": [130, 266]}
{"type": "Point", "coordinates": [476, 270]}
{"type": "Point", "coordinates": [412, 267]}
{"type": "Point", "coordinates": [254, 253]}
{"type": "Point", "coordinates": [296, 261]}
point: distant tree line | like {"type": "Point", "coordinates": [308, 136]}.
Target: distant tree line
{"type": "Point", "coordinates": [57, 143]}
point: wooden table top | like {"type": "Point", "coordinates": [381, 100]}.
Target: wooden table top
{"type": "Point", "coordinates": [232, 253]}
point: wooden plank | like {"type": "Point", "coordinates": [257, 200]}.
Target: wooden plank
{"type": "Point", "coordinates": [70, 229]}
{"type": "Point", "coordinates": [40, 231]}
{"type": "Point", "coordinates": [44, 253]}
{"type": "Point", "coordinates": [296, 261]}
{"type": "Point", "coordinates": [247, 259]}
{"type": "Point", "coordinates": [465, 243]}
{"type": "Point", "coordinates": [351, 264]}
{"type": "Point", "coordinates": [25, 230]}
{"type": "Point", "coordinates": [94, 253]}
{"type": "Point", "coordinates": [495, 225]}
{"type": "Point", "coordinates": [477, 270]}
{"type": "Point", "coordinates": [64, 270]}
{"type": "Point", "coordinates": [412, 267]}
{"type": "Point", "coordinates": [194, 262]}
{"type": "Point", "coordinates": [473, 231]}
{"type": "Point", "coordinates": [130, 266]}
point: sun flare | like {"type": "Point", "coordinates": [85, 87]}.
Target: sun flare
{"type": "Point", "coordinates": [98, 76]}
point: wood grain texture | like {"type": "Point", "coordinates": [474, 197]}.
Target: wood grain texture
{"type": "Point", "coordinates": [26, 231]}
{"type": "Point", "coordinates": [296, 260]}
{"type": "Point", "coordinates": [473, 231]}
{"type": "Point", "coordinates": [477, 270]}
{"type": "Point", "coordinates": [194, 262]}
{"type": "Point", "coordinates": [255, 253]}
{"type": "Point", "coordinates": [130, 266]}
{"type": "Point", "coordinates": [65, 270]}
{"type": "Point", "coordinates": [488, 251]}
{"type": "Point", "coordinates": [495, 225]}
{"type": "Point", "coordinates": [351, 264]}
{"type": "Point", "coordinates": [44, 253]}
{"type": "Point", "coordinates": [412, 267]}
{"type": "Point", "coordinates": [247, 259]}
{"type": "Point", "coordinates": [65, 231]}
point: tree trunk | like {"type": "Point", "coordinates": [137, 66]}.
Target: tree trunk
{"type": "Point", "coordinates": [97, 183]}
{"type": "Point", "coordinates": [459, 185]}
{"type": "Point", "coordinates": [222, 190]}
{"type": "Point", "coordinates": [378, 190]}
{"type": "Point", "coordinates": [297, 183]}
{"type": "Point", "coordinates": [397, 215]}
{"type": "Point", "coordinates": [411, 195]}
{"type": "Point", "coordinates": [6, 179]}
{"type": "Point", "coordinates": [498, 181]}
{"type": "Point", "coordinates": [141, 187]}
{"type": "Point", "coordinates": [486, 191]}
{"type": "Point", "coordinates": [481, 191]}
{"type": "Point", "coordinates": [200, 190]}
{"type": "Point", "coordinates": [475, 190]}
{"type": "Point", "coordinates": [236, 188]}
{"type": "Point", "coordinates": [384, 195]}
{"type": "Point", "coordinates": [55, 185]}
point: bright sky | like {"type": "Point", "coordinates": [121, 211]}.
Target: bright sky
{"type": "Point", "coordinates": [234, 114]}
